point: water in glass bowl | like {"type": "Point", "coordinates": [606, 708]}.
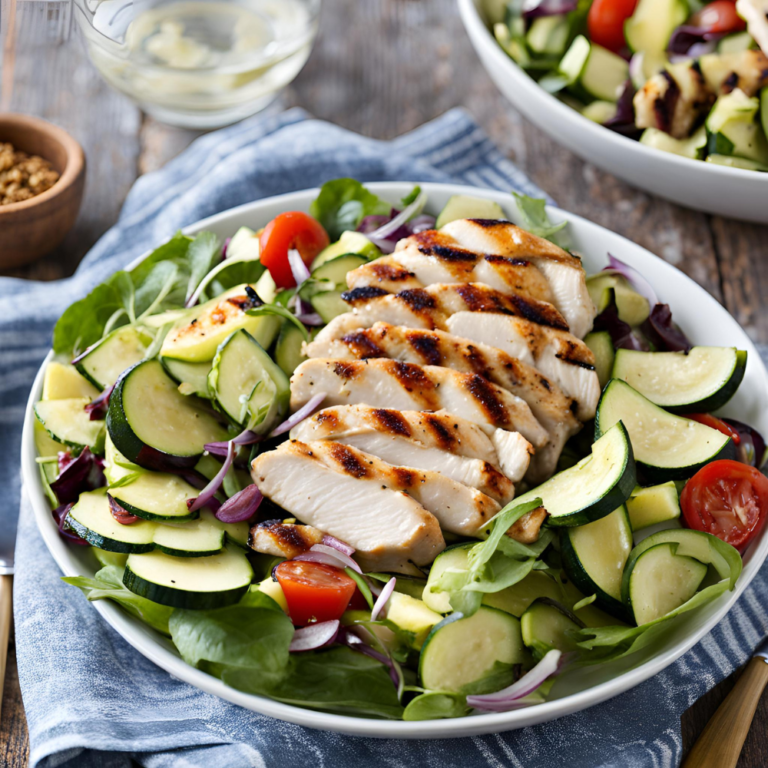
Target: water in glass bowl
{"type": "Point", "coordinates": [199, 63]}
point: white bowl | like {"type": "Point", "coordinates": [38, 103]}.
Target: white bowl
{"type": "Point", "coordinates": [705, 321]}
{"type": "Point", "coordinates": [712, 188]}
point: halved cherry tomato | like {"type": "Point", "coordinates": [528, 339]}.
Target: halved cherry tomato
{"type": "Point", "coordinates": [606, 22]}
{"type": "Point", "coordinates": [726, 498]}
{"type": "Point", "coordinates": [720, 17]}
{"type": "Point", "coordinates": [712, 421]}
{"type": "Point", "coordinates": [314, 592]}
{"type": "Point", "coordinates": [290, 230]}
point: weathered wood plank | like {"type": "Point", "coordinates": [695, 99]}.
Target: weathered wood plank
{"type": "Point", "coordinates": [14, 739]}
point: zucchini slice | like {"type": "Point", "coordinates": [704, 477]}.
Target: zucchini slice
{"type": "Point", "coordinates": [246, 383]}
{"type": "Point", "coordinates": [461, 652]}
{"type": "Point", "coordinates": [115, 353]}
{"type": "Point", "coordinates": [545, 627]}
{"type": "Point", "coordinates": [67, 422]}
{"type": "Point", "coordinates": [666, 446]}
{"type": "Point", "coordinates": [653, 505]}
{"type": "Point", "coordinates": [197, 335]}
{"type": "Point", "coordinates": [196, 583]}
{"type": "Point", "coordinates": [288, 353]}
{"type": "Point", "coordinates": [192, 378]}
{"type": "Point", "coordinates": [327, 282]}
{"type": "Point", "coordinates": [153, 425]}
{"type": "Point", "coordinates": [594, 557]}
{"type": "Point", "coordinates": [63, 382]}
{"type": "Point", "coordinates": [660, 581]}
{"type": "Point", "coordinates": [602, 347]}
{"type": "Point", "coordinates": [468, 207]}
{"type": "Point", "coordinates": [157, 496]}
{"type": "Point", "coordinates": [456, 558]}
{"type": "Point", "coordinates": [93, 522]}
{"type": "Point", "coordinates": [412, 615]}
{"type": "Point", "coordinates": [518, 598]}
{"type": "Point", "coordinates": [593, 488]}
{"type": "Point", "coordinates": [705, 379]}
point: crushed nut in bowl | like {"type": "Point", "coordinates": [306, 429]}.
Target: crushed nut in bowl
{"type": "Point", "coordinates": [23, 176]}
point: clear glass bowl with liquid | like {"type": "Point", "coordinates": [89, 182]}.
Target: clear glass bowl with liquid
{"type": "Point", "coordinates": [199, 63]}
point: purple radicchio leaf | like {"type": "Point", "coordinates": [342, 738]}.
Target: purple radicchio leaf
{"type": "Point", "coordinates": [663, 332]}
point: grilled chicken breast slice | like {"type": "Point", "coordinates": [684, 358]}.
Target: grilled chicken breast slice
{"type": "Point", "coordinates": [458, 508]}
{"type": "Point", "coordinates": [435, 257]}
{"type": "Point", "coordinates": [563, 271]}
{"type": "Point", "coordinates": [444, 299]}
{"type": "Point", "coordinates": [440, 443]}
{"type": "Point", "coordinates": [403, 386]}
{"type": "Point", "coordinates": [553, 409]}
{"type": "Point", "coordinates": [279, 539]}
{"type": "Point", "coordinates": [389, 530]}
{"type": "Point", "coordinates": [558, 354]}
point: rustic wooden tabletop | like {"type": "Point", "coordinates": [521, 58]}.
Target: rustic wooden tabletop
{"type": "Point", "coordinates": [380, 67]}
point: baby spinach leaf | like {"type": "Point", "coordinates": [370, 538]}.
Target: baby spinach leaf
{"type": "Point", "coordinates": [202, 256]}
{"type": "Point", "coordinates": [435, 705]}
{"type": "Point", "coordinates": [337, 679]}
{"type": "Point", "coordinates": [254, 634]}
{"type": "Point", "coordinates": [107, 584]}
{"type": "Point", "coordinates": [535, 219]}
{"type": "Point", "coordinates": [343, 203]}
{"type": "Point", "coordinates": [276, 309]}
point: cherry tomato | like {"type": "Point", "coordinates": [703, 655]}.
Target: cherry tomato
{"type": "Point", "coordinates": [290, 230]}
{"type": "Point", "coordinates": [719, 16]}
{"type": "Point", "coordinates": [726, 498]}
{"type": "Point", "coordinates": [712, 421]}
{"type": "Point", "coordinates": [358, 602]}
{"type": "Point", "coordinates": [606, 22]}
{"type": "Point", "coordinates": [314, 592]}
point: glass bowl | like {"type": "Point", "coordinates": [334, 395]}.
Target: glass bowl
{"type": "Point", "coordinates": [199, 63]}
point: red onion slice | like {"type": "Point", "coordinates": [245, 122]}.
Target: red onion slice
{"type": "Point", "coordinates": [97, 408]}
{"type": "Point", "coordinates": [310, 318]}
{"type": "Point", "coordinates": [121, 514]}
{"type": "Point", "coordinates": [241, 507]}
{"type": "Point", "coordinates": [210, 490]}
{"type": "Point", "coordinates": [321, 553]}
{"type": "Point", "coordinates": [635, 279]}
{"type": "Point", "coordinates": [314, 636]}
{"type": "Point", "coordinates": [60, 516]}
{"type": "Point", "coordinates": [508, 698]}
{"type": "Point", "coordinates": [298, 267]}
{"type": "Point", "coordinates": [381, 600]}
{"type": "Point", "coordinates": [392, 226]}
{"type": "Point", "coordinates": [244, 438]}
{"type": "Point", "coordinates": [304, 412]}
{"type": "Point", "coordinates": [342, 546]}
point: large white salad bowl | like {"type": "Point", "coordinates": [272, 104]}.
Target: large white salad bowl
{"type": "Point", "coordinates": [716, 189]}
{"type": "Point", "coordinates": [703, 319]}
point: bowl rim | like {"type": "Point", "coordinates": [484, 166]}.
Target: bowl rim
{"type": "Point", "coordinates": [147, 642]}
{"type": "Point", "coordinates": [478, 32]}
{"type": "Point", "coordinates": [75, 160]}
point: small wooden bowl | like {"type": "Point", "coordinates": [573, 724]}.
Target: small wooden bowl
{"type": "Point", "coordinates": [32, 228]}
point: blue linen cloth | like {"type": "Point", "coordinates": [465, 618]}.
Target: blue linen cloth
{"type": "Point", "coordinates": [92, 700]}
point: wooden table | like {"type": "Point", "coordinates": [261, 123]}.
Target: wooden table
{"type": "Point", "coordinates": [380, 67]}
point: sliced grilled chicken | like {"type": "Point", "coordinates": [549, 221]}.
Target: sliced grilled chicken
{"type": "Point", "coordinates": [386, 273]}
{"type": "Point", "coordinates": [444, 299]}
{"type": "Point", "coordinates": [435, 257]}
{"type": "Point", "coordinates": [458, 508]}
{"type": "Point", "coordinates": [440, 443]}
{"type": "Point", "coordinates": [389, 529]}
{"type": "Point", "coordinates": [553, 410]}
{"type": "Point", "coordinates": [526, 529]}
{"type": "Point", "coordinates": [404, 386]}
{"type": "Point", "coordinates": [279, 539]}
{"type": "Point", "coordinates": [563, 272]}
{"type": "Point", "coordinates": [557, 354]}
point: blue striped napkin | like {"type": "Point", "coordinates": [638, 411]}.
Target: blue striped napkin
{"type": "Point", "coordinates": [91, 700]}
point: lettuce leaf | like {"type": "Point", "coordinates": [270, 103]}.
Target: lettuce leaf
{"type": "Point", "coordinates": [343, 203]}
{"type": "Point", "coordinates": [536, 221]}
{"type": "Point", "coordinates": [107, 584]}
{"type": "Point", "coordinates": [434, 705]}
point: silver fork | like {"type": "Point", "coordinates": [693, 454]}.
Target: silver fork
{"type": "Point", "coordinates": [7, 542]}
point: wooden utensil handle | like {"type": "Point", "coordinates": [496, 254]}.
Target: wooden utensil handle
{"type": "Point", "coordinates": [6, 591]}
{"type": "Point", "coordinates": [719, 745]}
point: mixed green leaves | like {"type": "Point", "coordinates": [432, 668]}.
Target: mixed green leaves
{"type": "Point", "coordinates": [343, 203]}
{"type": "Point", "coordinates": [535, 219]}
{"type": "Point", "coordinates": [164, 280]}
{"type": "Point", "coordinates": [107, 584]}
